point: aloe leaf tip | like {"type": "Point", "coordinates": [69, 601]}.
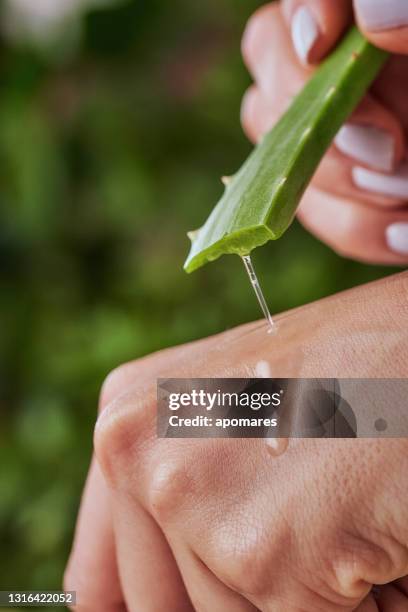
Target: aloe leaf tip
{"type": "Point", "coordinates": [260, 200]}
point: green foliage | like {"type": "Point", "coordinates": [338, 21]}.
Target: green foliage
{"type": "Point", "coordinates": [106, 160]}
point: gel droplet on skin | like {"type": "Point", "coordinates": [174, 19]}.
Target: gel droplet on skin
{"type": "Point", "coordinates": [258, 292]}
{"type": "Point", "coordinates": [263, 369]}
{"type": "Point", "coordinates": [276, 446]}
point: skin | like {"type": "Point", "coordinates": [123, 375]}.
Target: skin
{"type": "Point", "coordinates": [349, 219]}
{"type": "Point", "coordinates": [222, 524]}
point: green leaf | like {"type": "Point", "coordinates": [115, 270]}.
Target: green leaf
{"type": "Point", "coordinates": [260, 200]}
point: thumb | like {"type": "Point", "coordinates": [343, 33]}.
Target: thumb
{"type": "Point", "coordinates": [384, 23]}
{"type": "Point", "coordinates": [316, 25]}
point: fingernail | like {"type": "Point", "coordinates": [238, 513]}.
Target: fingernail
{"type": "Point", "coordinates": [367, 144]}
{"type": "Point", "coordinates": [394, 185]}
{"type": "Point", "coordinates": [382, 14]}
{"type": "Point", "coordinates": [396, 236]}
{"type": "Point", "coordinates": [304, 33]}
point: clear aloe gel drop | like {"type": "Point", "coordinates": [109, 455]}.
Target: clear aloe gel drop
{"type": "Point", "coordinates": [258, 292]}
{"type": "Point", "coordinates": [276, 446]}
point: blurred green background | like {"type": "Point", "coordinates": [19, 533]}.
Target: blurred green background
{"type": "Point", "coordinates": [115, 126]}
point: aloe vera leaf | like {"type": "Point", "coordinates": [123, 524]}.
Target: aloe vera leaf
{"type": "Point", "coordinates": [260, 200]}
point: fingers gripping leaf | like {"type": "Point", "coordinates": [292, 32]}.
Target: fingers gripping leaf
{"type": "Point", "coordinates": [260, 200]}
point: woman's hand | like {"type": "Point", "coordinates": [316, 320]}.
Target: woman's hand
{"type": "Point", "coordinates": [357, 200]}
{"type": "Point", "coordinates": [223, 524]}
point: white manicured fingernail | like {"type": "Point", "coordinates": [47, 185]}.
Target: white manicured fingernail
{"type": "Point", "coordinates": [305, 32]}
{"type": "Point", "coordinates": [394, 185]}
{"type": "Point", "coordinates": [396, 236]}
{"type": "Point", "coordinates": [382, 14]}
{"type": "Point", "coordinates": [367, 144]}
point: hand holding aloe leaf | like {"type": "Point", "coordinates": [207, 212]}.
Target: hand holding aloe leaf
{"type": "Point", "coordinates": [260, 200]}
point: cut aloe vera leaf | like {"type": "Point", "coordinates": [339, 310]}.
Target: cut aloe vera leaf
{"type": "Point", "coordinates": [260, 200]}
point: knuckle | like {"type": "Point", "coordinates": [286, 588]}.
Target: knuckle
{"type": "Point", "coordinates": [354, 565]}
{"type": "Point", "coordinates": [113, 384]}
{"type": "Point", "coordinates": [243, 558]}
{"type": "Point", "coordinates": [367, 546]}
{"type": "Point", "coordinates": [171, 484]}
{"type": "Point", "coordinates": [367, 555]}
{"type": "Point", "coordinates": [122, 431]}
{"type": "Point", "coordinates": [246, 575]}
